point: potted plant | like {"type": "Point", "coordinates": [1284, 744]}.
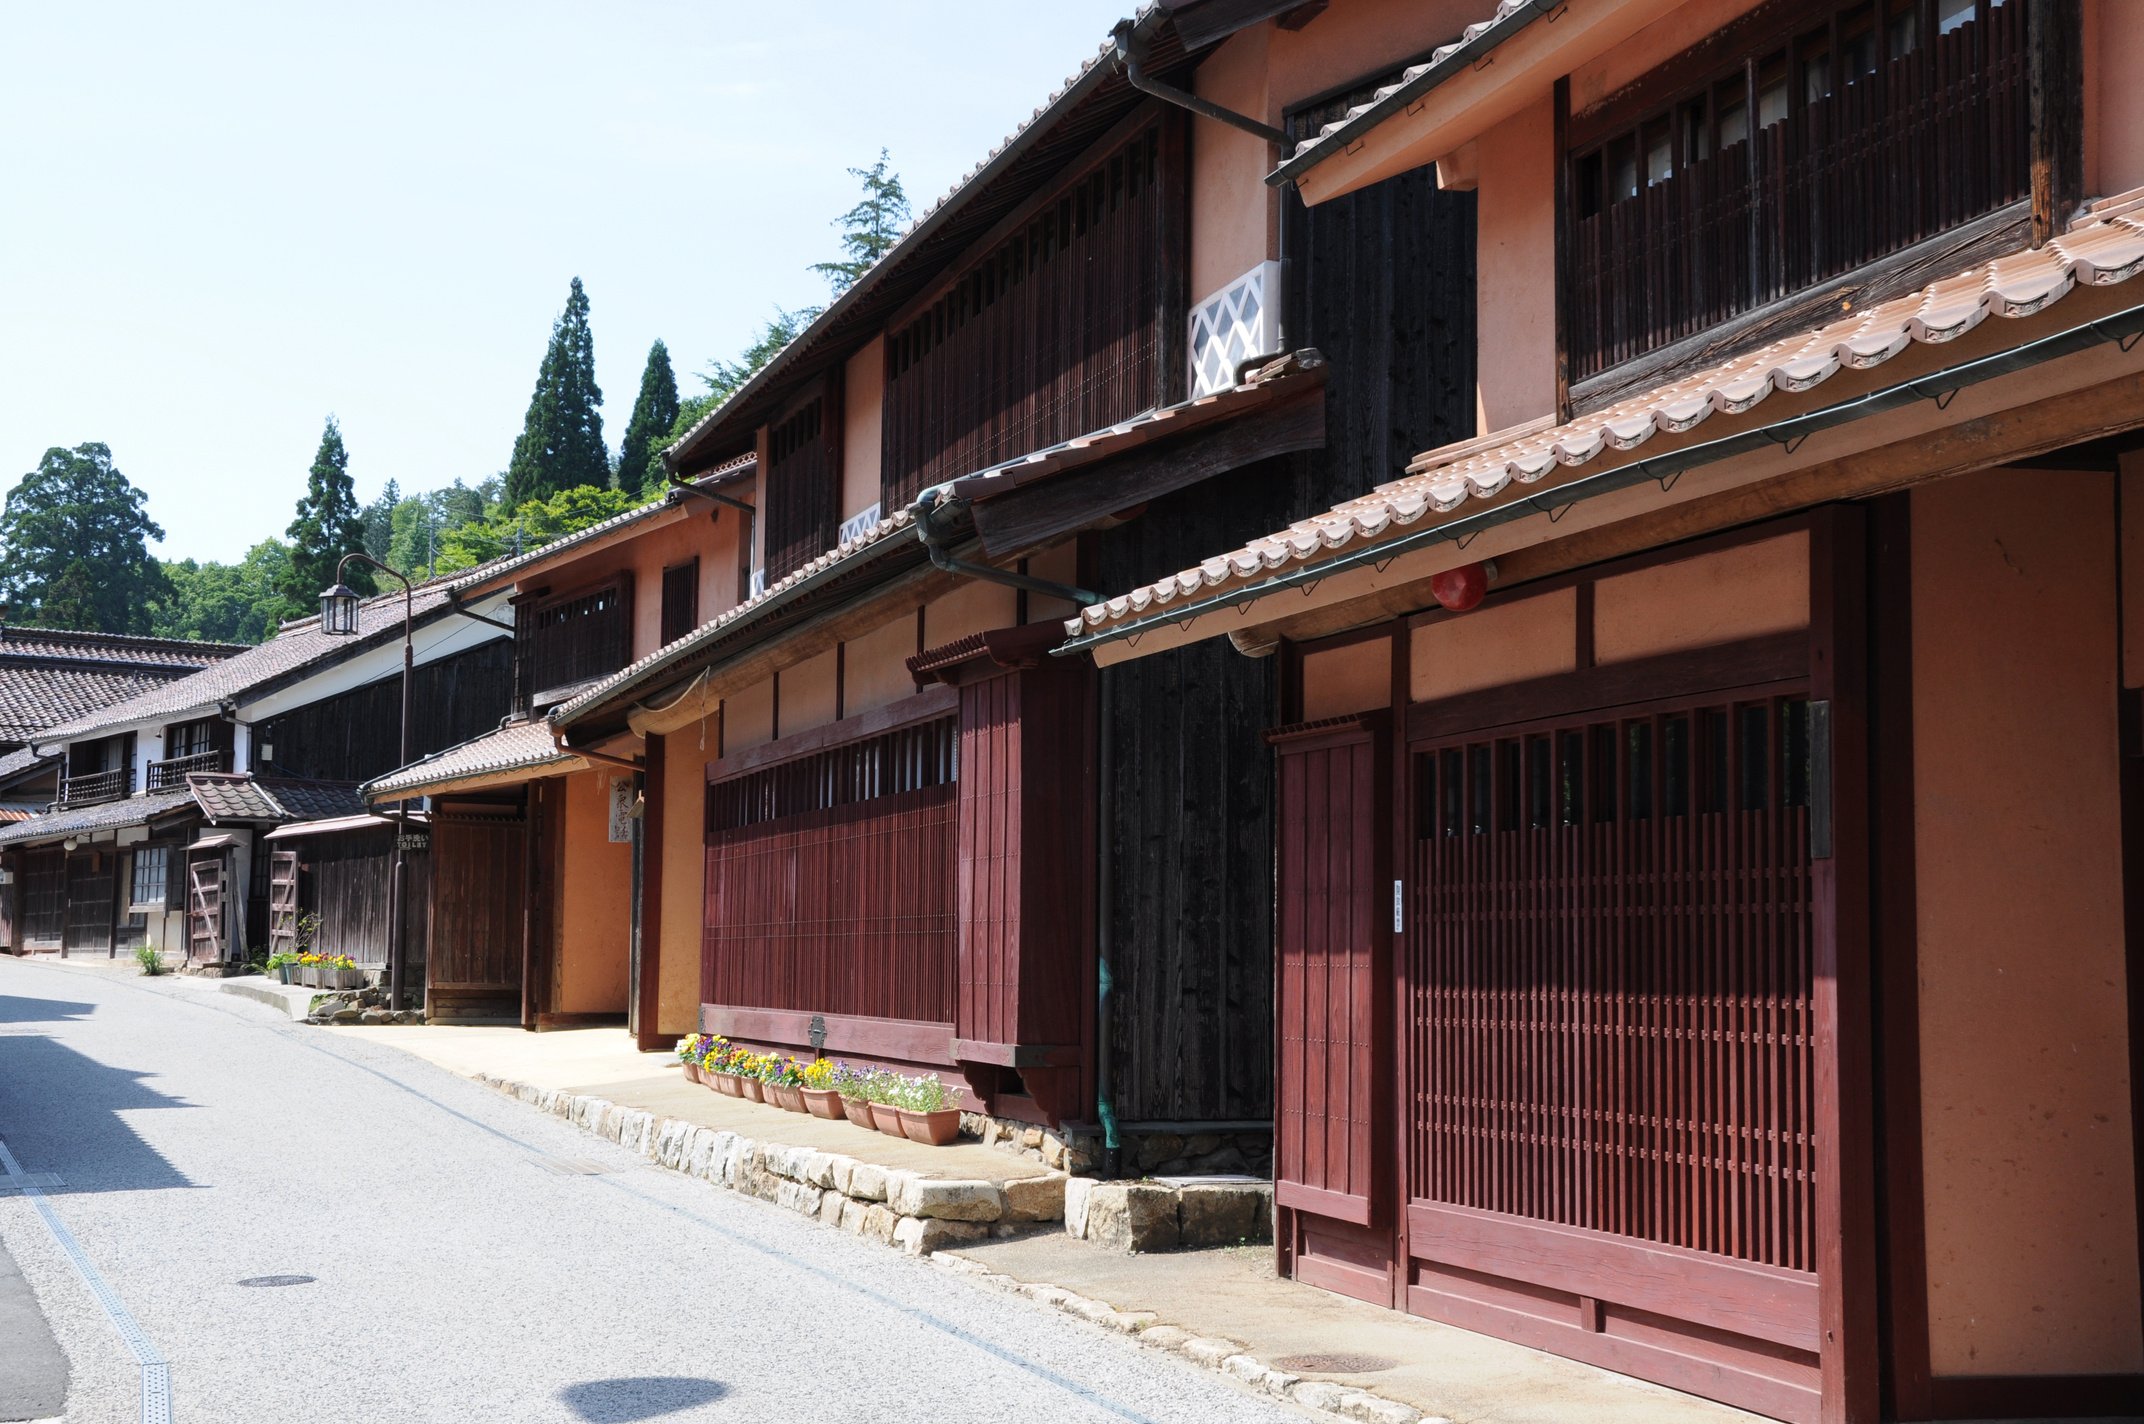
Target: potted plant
{"type": "Point", "coordinates": [856, 1088]}
{"type": "Point", "coordinates": [750, 1082]}
{"type": "Point", "coordinates": [885, 1115]}
{"type": "Point", "coordinates": [723, 1067]}
{"type": "Point", "coordinates": [822, 1095]}
{"type": "Point", "coordinates": [340, 971]}
{"type": "Point", "coordinates": [283, 966]}
{"type": "Point", "coordinates": [691, 1050]}
{"type": "Point", "coordinates": [929, 1113]}
{"type": "Point", "coordinates": [785, 1083]}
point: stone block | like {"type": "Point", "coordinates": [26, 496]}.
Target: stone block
{"type": "Point", "coordinates": [1131, 1216]}
{"type": "Point", "coordinates": [800, 1197]}
{"type": "Point", "coordinates": [921, 1235]}
{"type": "Point", "coordinates": [699, 1147]}
{"type": "Point", "coordinates": [1321, 1395]}
{"type": "Point", "coordinates": [1035, 1198]}
{"type": "Point", "coordinates": [879, 1222]}
{"type": "Point", "coordinates": [1219, 1215]}
{"type": "Point", "coordinates": [840, 1172]}
{"type": "Point", "coordinates": [1167, 1337]}
{"type": "Point", "coordinates": [816, 1168]}
{"type": "Point", "coordinates": [852, 1215]}
{"type": "Point", "coordinates": [831, 1205]}
{"type": "Point", "coordinates": [1079, 1191]}
{"type": "Point", "coordinates": [948, 1201]}
{"type": "Point", "coordinates": [868, 1182]}
{"type": "Point", "coordinates": [1370, 1409]}
{"type": "Point", "coordinates": [1210, 1350]}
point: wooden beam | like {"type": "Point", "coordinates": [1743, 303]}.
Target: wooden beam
{"type": "Point", "coordinates": [2017, 433]}
{"type": "Point", "coordinates": [926, 705]}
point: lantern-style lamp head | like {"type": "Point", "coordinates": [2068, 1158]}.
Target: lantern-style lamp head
{"type": "Point", "coordinates": [338, 611]}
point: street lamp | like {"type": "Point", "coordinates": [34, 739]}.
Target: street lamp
{"type": "Point", "coordinates": [339, 619]}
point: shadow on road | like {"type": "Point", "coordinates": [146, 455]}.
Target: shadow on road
{"type": "Point", "coordinates": [16, 1008]}
{"type": "Point", "coordinates": [617, 1401]}
{"type": "Point", "coordinates": [60, 1112]}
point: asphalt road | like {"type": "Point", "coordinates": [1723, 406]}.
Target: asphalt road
{"type": "Point", "coordinates": [465, 1266]}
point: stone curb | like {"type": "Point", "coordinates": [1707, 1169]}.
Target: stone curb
{"type": "Point", "coordinates": [1225, 1356]}
{"type": "Point", "coordinates": [917, 1214]}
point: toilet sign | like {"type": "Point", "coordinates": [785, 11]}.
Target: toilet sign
{"type": "Point", "coordinates": [621, 810]}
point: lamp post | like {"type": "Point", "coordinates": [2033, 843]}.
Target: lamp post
{"type": "Point", "coordinates": [338, 619]}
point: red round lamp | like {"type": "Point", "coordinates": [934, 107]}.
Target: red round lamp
{"type": "Point", "coordinates": [1462, 589]}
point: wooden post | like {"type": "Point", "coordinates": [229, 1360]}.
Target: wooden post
{"type": "Point", "coordinates": [654, 807]}
{"type": "Point", "coordinates": [2055, 95]}
{"type": "Point", "coordinates": [1561, 221]}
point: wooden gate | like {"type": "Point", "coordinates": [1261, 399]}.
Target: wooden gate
{"type": "Point", "coordinates": [91, 888]}
{"type": "Point", "coordinates": [205, 907]}
{"type": "Point", "coordinates": [44, 898]}
{"type": "Point", "coordinates": [1608, 1042]}
{"type": "Point", "coordinates": [479, 864]}
{"type": "Point", "coordinates": [283, 902]}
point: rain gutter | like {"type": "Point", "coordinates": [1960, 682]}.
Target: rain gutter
{"type": "Point", "coordinates": [2124, 327]}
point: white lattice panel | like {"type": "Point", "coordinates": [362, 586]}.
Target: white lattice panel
{"type": "Point", "coordinates": [1239, 321]}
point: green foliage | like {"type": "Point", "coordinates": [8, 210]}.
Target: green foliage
{"type": "Point", "coordinates": [228, 603]}
{"type": "Point", "coordinates": [532, 524]}
{"type": "Point", "coordinates": [378, 520]}
{"type": "Point", "coordinates": [327, 525]}
{"type": "Point", "coordinates": [871, 228]}
{"type": "Point", "coordinates": [724, 377]}
{"type": "Point", "coordinates": [561, 442]}
{"type": "Point", "coordinates": [150, 958]}
{"type": "Point", "coordinates": [74, 550]}
{"type": "Point", "coordinates": [654, 414]}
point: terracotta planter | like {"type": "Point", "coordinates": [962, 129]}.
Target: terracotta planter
{"type": "Point", "coordinates": [823, 1102]}
{"type": "Point", "coordinates": [692, 1072]}
{"type": "Point", "coordinates": [754, 1090]}
{"type": "Point", "coordinates": [727, 1084]}
{"type": "Point", "coordinates": [887, 1120]}
{"type": "Point", "coordinates": [857, 1111]}
{"type": "Point", "coordinates": [789, 1097]}
{"type": "Point", "coordinates": [933, 1129]}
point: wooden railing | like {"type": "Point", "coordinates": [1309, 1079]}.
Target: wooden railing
{"type": "Point", "coordinates": [1915, 146]}
{"type": "Point", "coordinates": [91, 787]}
{"type": "Point", "coordinates": [172, 771]}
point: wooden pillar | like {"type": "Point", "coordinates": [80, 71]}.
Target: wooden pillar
{"type": "Point", "coordinates": [654, 809]}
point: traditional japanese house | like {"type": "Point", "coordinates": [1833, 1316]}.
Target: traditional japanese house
{"type": "Point", "coordinates": [535, 853]}
{"type": "Point", "coordinates": [1709, 806]}
{"type": "Point", "coordinates": [881, 819]}
{"type": "Point", "coordinates": [156, 835]}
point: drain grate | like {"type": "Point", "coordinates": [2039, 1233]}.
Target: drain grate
{"type": "Point", "coordinates": [277, 1281]}
{"type": "Point", "coordinates": [1334, 1364]}
{"type": "Point", "coordinates": [571, 1166]}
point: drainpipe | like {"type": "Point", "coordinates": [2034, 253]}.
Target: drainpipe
{"type": "Point", "coordinates": [1105, 1107]}
{"type": "Point", "coordinates": [684, 486]}
{"type": "Point", "coordinates": [1131, 58]}
{"type": "Point", "coordinates": [925, 511]}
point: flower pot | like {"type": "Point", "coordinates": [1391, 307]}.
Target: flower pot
{"type": "Point", "coordinates": [282, 973]}
{"type": "Point", "coordinates": [887, 1119]}
{"type": "Point", "coordinates": [345, 978]}
{"type": "Point", "coordinates": [692, 1072]}
{"type": "Point", "coordinates": [933, 1129]}
{"type": "Point", "coordinates": [823, 1102]}
{"type": "Point", "coordinates": [754, 1090]}
{"type": "Point", "coordinates": [728, 1084]}
{"type": "Point", "coordinates": [857, 1110]}
{"type": "Point", "coordinates": [789, 1097]}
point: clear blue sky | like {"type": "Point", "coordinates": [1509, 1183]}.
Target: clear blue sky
{"type": "Point", "coordinates": [220, 222]}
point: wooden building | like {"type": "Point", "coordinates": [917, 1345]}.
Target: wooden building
{"type": "Point", "coordinates": [1707, 822]}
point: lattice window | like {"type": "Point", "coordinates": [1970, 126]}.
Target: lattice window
{"type": "Point", "coordinates": [569, 640]}
{"type": "Point", "coordinates": [906, 759]}
{"type": "Point", "coordinates": [152, 877]}
{"type": "Point", "coordinates": [803, 490]}
{"type": "Point", "coordinates": [1238, 322]}
{"type": "Point", "coordinates": [1610, 1008]}
{"type": "Point", "coordinates": [681, 600]}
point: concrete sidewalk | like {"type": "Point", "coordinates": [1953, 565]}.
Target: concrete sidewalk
{"type": "Point", "coordinates": [33, 1372]}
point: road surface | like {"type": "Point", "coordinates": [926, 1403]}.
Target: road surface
{"type": "Point", "coordinates": [463, 1257]}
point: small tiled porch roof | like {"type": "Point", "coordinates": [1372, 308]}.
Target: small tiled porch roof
{"type": "Point", "coordinates": [104, 816]}
{"type": "Point", "coordinates": [2105, 249]}
{"type": "Point", "coordinates": [515, 747]}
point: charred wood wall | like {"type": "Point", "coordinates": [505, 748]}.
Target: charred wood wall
{"type": "Point", "coordinates": [349, 885]}
{"type": "Point", "coordinates": [357, 735]}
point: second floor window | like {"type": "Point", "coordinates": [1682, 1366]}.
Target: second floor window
{"type": "Point", "coordinates": [803, 486]}
{"type": "Point", "coordinates": [681, 600]}
{"type": "Point", "coordinates": [573, 638]}
{"type": "Point", "coordinates": [1828, 137]}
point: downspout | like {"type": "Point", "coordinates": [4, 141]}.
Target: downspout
{"type": "Point", "coordinates": [684, 486]}
{"type": "Point", "coordinates": [1105, 1108]}
{"type": "Point", "coordinates": [925, 512]}
{"type": "Point", "coordinates": [1131, 58]}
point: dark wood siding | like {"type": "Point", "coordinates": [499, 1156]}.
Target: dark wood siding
{"type": "Point", "coordinates": [803, 486]}
{"type": "Point", "coordinates": [479, 865]}
{"type": "Point", "coordinates": [1067, 325]}
{"type": "Point", "coordinates": [92, 889]}
{"type": "Point", "coordinates": [681, 600]}
{"type": "Point", "coordinates": [351, 875]}
{"type": "Point", "coordinates": [356, 735]}
{"type": "Point", "coordinates": [44, 896]}
{"type": "Point", "coordinates": [573, 637]}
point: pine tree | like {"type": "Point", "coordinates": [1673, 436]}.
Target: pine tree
{"type": "Point", "coordinates": [654, 412]}
{"type": "Point", "coordinates": [327, 526]}
{"type": "Point", "coordinates": [561, 443]}
{"type": "Point", "coordinates": [379, 520]}
{"type": "Point", "coordinates": [872, 227]}
{"type": "Point", "coordinates": [74, 549]}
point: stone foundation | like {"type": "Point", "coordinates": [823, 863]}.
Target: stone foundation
{"type": "Point", "coordinates": [1168, 1215]}
{"type": "Point", "coordinates": [1079, 1153]}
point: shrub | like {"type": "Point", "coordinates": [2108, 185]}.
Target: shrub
{"type": "Point", "coordinates": [150, 958]}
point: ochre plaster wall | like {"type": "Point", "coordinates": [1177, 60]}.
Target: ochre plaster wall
{"type": "Point", "coordinates": [1745, 591]}
{"type": "Point", "coordinates": [974, 607]}
{"type": "Point", "coordinates": [1495, 644]}
{"type": "Point", "coordinates": [875, 667]}
{"type": "Point", "coordinates": [683, 811]}
{"type": "Point", "coordinates": [2132, 528]}
{"type": "Point", "coordinates": [1360, 41]}
{"type": "Point", "coordinates": [2113, 98]}
{"type": "Point", "coordinates": [1233, 213]}
{"type": "Point", "coordinates": [1648, 49]}
{"type": "Point", "coordinates": [1515, 249]}
{"type": "Point", "coordinates": [2025, 1115]}
{"type": "Point", "coordinates": [748, 717]}
{"type": "Point", "coordinates": [1354, 677]}
{"type": "Point", "coordinates": [596, 907]}
{"type": "Point", "coordinates": [807, 695]}
{"type": "Point", "coordinates": [863, 394]}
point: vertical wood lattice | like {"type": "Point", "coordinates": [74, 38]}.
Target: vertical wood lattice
{"type": "Point", "coordinates": [803, 491]}
{"type": "Point", "coordinates": [1611, 979]}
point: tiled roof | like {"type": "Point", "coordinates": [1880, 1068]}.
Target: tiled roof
{"type": "Point", "coordinates": [2101, 252]}
{"type": "Point", "coordinates": [75, 645]}
{"type": "Point", "coordinates": [20, 760]}
{"type": "Point", "coordinates": [131, 811]}
{"type": "Point", "coordinates": [232, 797]}
{"type": "Point", "coordinates": [671, 654]}
{"type": "Point", "coordinates": [1507, 19]}
{"type": "Point", "coordinates": [52, 675]}
{"type": "Point", "coordinates": [517, 746]}
{"type": "Point", "coordinates": [307, 800]}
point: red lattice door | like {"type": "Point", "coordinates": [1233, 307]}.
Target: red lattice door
{"type": "Point", "coordinates": [1610, 1132]}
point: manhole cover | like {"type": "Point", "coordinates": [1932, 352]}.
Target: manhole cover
{"type": "Point", "coordinates": [277, 1281]}
{"type": "Point", "coordinates": [1334, 1364]}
